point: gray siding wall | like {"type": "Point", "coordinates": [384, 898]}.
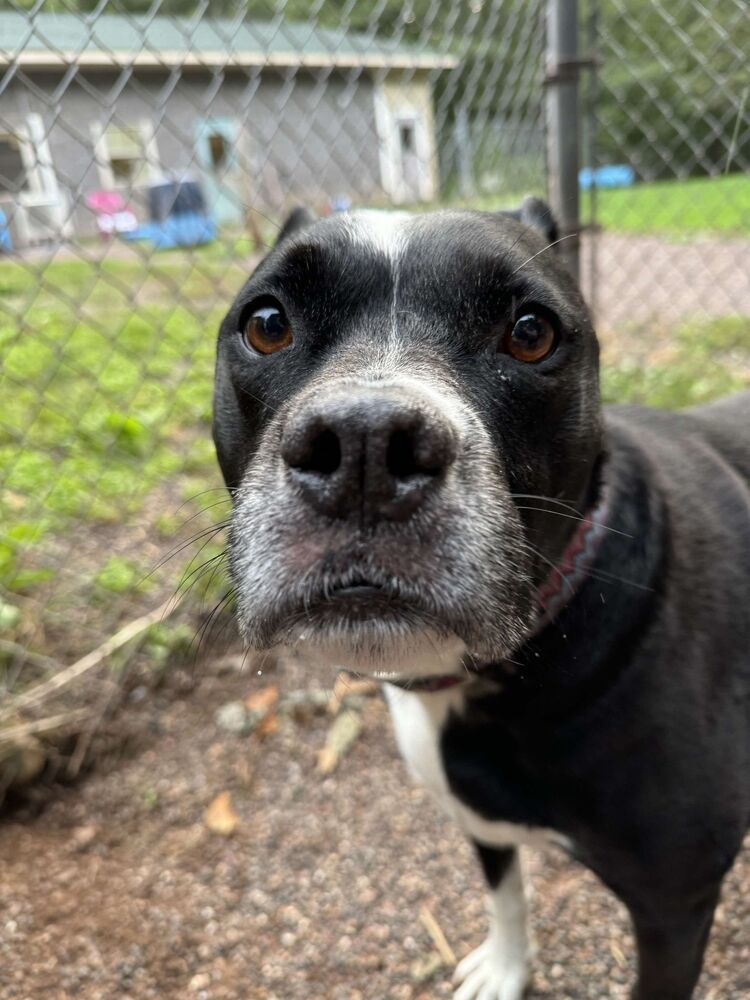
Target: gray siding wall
{"type": "Point", "coordinates": [307, 137]}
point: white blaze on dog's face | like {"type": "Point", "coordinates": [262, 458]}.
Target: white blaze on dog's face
{"type": "Point", "coordinates": [387, 386]}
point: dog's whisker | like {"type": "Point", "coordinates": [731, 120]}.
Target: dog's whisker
{"type": "Point", "coordinates": [207, 533]}
{"type": "Point", "coordinates": [575, 517]}
{"type": "Point", "coordinates": [543, 250]}
{"type": "Point", "coordinates": [553, 566]}
{"type": "Point", "coordinates": [539, 496]}
{"type": "Point", "coordinates": [263, 402]}
{"type": "Point", "coordinates": [201, 493]}
{"type": "Point", "coordinates": [201, 634]}
{"type": "Point", "coordinates": [604, 577]}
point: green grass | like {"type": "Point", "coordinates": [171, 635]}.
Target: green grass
{"type": "Point", "coordinates": [677, 208]}
{"type": "Point", "coordinates": [673, 209]}
{"type": "Point", "coordinates": [106, 389]}
{"type": "Point", "coordinates": [706, 360]}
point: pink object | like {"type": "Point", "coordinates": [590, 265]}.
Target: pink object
{"type": "Point", "coordinates": [113, 214]}
{"type": "Point", "coordinates": [106, 202]}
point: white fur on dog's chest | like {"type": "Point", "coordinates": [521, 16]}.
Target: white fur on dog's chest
{"type": "Point", "coordinates": [418, 720]}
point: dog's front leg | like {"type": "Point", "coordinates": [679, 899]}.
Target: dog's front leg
{"type": "Point", "coordinates": [499, 968]}
{"type": "Point", "coordinates": [671, 941]}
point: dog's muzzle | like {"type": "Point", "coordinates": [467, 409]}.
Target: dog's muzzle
{"type": "Point", "coordinates": [367, 454]}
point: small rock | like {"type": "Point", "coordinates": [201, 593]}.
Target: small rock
{"type": "Point", "coordinates": [303, 705]}
{"type": "Point", "coordinates": [234, 718]}
{"type": "Point", "coordinates": [84, 836]}
{"type": "Point", "coordinates": [199, 981]}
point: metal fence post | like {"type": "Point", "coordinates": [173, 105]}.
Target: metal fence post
{"type": "Point", "coordinates": [563, 136]}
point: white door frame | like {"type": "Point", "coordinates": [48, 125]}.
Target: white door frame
{"type": "Point", "coordinates": [388, 122]}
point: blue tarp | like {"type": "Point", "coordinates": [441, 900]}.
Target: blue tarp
{"type": "Point", "coordinates": [186, 230]}
{"type": "Point", "coordinates": [612, 176]}
{"type": "Point", "coordinates": [6, 243]}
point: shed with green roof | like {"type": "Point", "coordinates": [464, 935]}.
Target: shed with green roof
{"type": "Point", "coordinates": [261, 113]}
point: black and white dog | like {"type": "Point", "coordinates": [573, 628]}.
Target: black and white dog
{"type": "Point", "coordinates": [425, 489]}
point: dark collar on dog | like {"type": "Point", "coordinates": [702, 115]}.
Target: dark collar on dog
{"type": "Point", "coordinates": [561, 584]}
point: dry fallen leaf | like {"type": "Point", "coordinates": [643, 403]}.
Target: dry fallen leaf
{"type": "Point", "coordinates": [220, 816]}
{"type": "Point", "coordinates": [261, 702]}
{"type": "Point", "coordinates": [269, 725]}
{"type": "Point", "coordinates": [343, 731]}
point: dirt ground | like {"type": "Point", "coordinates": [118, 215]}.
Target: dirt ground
{"type": "Point", "coordinates": [649, 282]}
{"type": "Point", "coordinates": [117, 887]}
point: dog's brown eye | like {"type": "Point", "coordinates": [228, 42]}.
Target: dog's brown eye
{"type": "Point", "coordinates": [267, 330]}
{"type": "Point", "coordinates": [531, 338]}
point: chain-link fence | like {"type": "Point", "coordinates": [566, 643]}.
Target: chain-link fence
{"type": "Point", "coordinates": [669, 103]}
{"type": "Point", "coordinates": [148, 152]}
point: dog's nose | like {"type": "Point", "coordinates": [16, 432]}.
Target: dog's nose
{"type": "Point", "coordinates": [373, 455]}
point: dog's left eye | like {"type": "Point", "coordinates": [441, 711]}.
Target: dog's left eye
{"type": "Point", "coordinates": [267, 330]}
{"type": "Point", "coordinates": [531, 338]}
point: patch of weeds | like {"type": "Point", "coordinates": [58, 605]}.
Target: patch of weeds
{"type": "Point", "coordinates": [706, 362]}
{"type": "Point", "coordinates": [15, 540]}
{"type": "Point", "coordinates": [121, 576]}
{"type": "Point", "coordinates": [150, 798]}
{"type": "Point", "coordinates": [9, 617]}
{"type": "Point", "coordinates": [167, 526]}
{"type": "Point", "coordinates": [727, 335]}
{"type": "Point", "coordinates": [165, 642]}
{"type": "Point", "coordinates": [669, 386]}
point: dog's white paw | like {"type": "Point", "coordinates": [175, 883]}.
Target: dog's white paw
{"type": "Point", "coordinates": [488, 974]}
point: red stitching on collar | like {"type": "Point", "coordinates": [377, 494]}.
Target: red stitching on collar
{"type": "Point", "coordinates": [564, 580]}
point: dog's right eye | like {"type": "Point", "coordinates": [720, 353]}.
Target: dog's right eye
{"type": "Point", "coordinates": [266, 329]}
{"type": "Point", "coordinates": [530, 339]}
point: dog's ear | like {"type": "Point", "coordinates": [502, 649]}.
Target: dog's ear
{"type": "Point", "coordinates": [537, 214]}
{"type": "Point", "coordinates": [297, 219]}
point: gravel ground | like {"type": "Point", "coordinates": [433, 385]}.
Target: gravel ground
{"type": "Point", "coordinates": [118, 888]}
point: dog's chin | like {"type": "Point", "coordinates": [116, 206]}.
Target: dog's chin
{"type": "Point", "coordinates": [385, 632]}
{"type": "Point", "coordinates": [382, 651]}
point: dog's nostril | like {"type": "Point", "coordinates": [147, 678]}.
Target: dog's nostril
{"type": "Point", "coordinates": [323, 454]}
{"type": "Point", "coordinates": [400, 458]}
{"type": "Point", "coordinates": [403, 461]}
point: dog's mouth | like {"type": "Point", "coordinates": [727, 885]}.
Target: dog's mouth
{"type": "Point", "coordinates": [362, 599]}
{"type": "Point", "coordinates": [387, 629]}
{"type": "Point", "coordinates": [361, 591]}
{"type": "Point", "coordinates": [361, 607]}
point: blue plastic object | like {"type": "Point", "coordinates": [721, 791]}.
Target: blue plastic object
{"type": "Point", "coordinates": [187, 230]}
{"type": "Point", "coordinates": [612, 176]}
{"type": "Point", "coordinates": [178, 216]}
{"type": "Point", "coordinates": [6, 243]}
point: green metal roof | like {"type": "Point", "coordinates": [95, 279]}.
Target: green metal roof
{"type": "Point", "coordinates": [45, 40]}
